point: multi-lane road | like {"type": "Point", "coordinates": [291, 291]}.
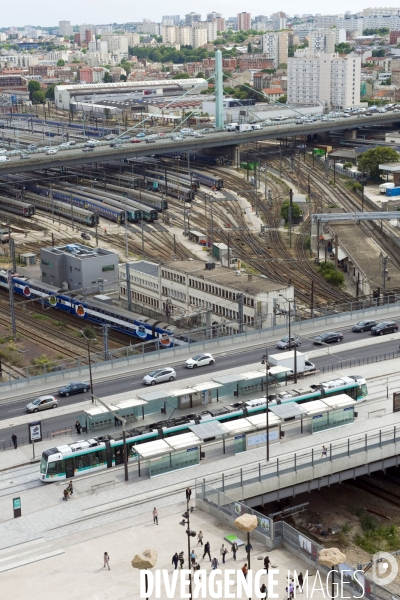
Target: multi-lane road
{"type": "Point", "coordinates": [237, 358]}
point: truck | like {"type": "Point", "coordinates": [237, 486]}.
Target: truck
{"type": "Point", "coordinates": [286, 359]}
{"type": "Point", "coordinates": [394, 191]}
{"type": "Point", "coordinates": [256, 126]}
{"type": "Point", "coordinates": [231, 126]}
{"type": "Point", "coordinates": [244, 127]}
{"type": "Point", "coordinates": [385, 186]}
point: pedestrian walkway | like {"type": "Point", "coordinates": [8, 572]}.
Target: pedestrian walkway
{"type": "Point", "coordinates": [72, 567]}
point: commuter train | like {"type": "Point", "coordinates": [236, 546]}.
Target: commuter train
{"type": "Point", "coordinates": [141, 196]}
{"type": "Point", "coordinates": [17, 207]}
{"type": "Point", "coordinates": [91, 310]}
{"type": "Point", "coordinates": [106, 451]}
{"type": "Point", "coordinates": [135, 211]}
{"type": "Point", "coordinates": [79, 215]}
{"type": "Point", "coordinates": [103, 210]}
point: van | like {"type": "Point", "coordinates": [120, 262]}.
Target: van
{"type": "Point", "coordinates": [386, 186]}
{"type": "Point", "coordinates": [4, 159]}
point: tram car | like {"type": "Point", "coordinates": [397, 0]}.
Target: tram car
{"type": "Point", "coordinates": [107, 451]}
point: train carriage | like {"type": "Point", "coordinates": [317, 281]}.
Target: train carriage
{"type": "Point", "coordinates": [80, 215]}
{"type": "Point", "coordinates": [17, 207]}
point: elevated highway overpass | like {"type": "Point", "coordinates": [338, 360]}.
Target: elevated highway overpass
{"type": "Point", "coordinates": [223, 140]}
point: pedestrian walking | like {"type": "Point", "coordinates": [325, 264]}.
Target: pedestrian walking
{"type": "Point", "coordinates": [78, 428]}
{"type": "Point", "coordinates": [193, 558]}
{"type": "Point", "coordinates": [324, 452]}
{"type": "Point", "coordinates": [181, 559]}
{"type": "Point", "coordinates": [105, 230]}
{"type": "Point", "coordinates": [291, 590]}
{"type": "Point", "coordinates": [245, 570]}
{"type": "Point", "coordinates": [301, 581]}
{"type": "Point", "coordinates": [188, 494]}
{"type": "Point", "coordinates": [267, 562]}
{"type": "Point", "coordinates": [234, 549]}
{"type": "Point", "coordinates": [207, 550]}
{"type": "Point", "coordinates": [65, 494]}
{"type": "Point", "coordinates": [263, 590]}
{"type": "Point", "coordinates": [223, 552]}
{"type": "Point", "coordinates": [155, 516]}
{"type": "Point", "coordinates": [106, 561]}
{"type": "Point", "coordinates": [70, 488]}
{"type": "Point", "coordinates": [14, 440]}
{"type": "Point", "coordinates": [200, 538]}
{"type": "Point", "coordinates": [214, 563]}
{"type": "Point", "coordinates": [249, 548]}
{"type": "Point", "coordinates": [175, 560]}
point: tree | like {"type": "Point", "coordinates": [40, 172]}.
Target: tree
{"type": "Point", "coordinates": [200, 75]}
{"type": "Point", "coordinates": [107, 77]}
{"type": "Point", "coordinates": [282, 99]}
{"type": "Point", "coordinates": [379, 52]}
{"type": "Point", "coordinates": [33, 86]}
{"type": "Point", "coordinates": [331, 275]}
{"type": "Point", "coordinates": [249, 48]}
{"type": "Point", "coordinates": [296, 212]}
{"type": "Point", "coordinates": [123, 78]}
{"type": "Point", "coordinates": [343, 48]}
{"type": "Point", "coordinates": [371, 159]}
{"type": "Point", "coordinates": [61, 63]}
{"type": "Point", "coordinates": [38, 97]}
{"type": "Point", "coordinates": [50, 92]}
{"type": "Point", "coordinates": [181, 76]}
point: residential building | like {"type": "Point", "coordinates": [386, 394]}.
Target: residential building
{"type": "Point", "coordinates": [278, 21]}
{"type": "Point", "coordinates": [327, 78]}
{"type": "Point", "coordinates": [244, 21]}
{"type": "Point", "coordinates": [169, 34]}
{"type": "Point", "coordinates": [199, 36]}
{"type": "Point", "coordinates": [23, 61]}
{"type": "Point", "coordinates": [86, 27]}
{"type": "Point", "coordinates": [394, 38]}
{"type": "Point", "coordinates": [133, 39]}
{"type": "Point", "coordinates": [381, 12]}
{"type": "Point", "coordinates": [212, 29]}
{"type": "Point", "coordinates": [255, 61]}
{"type": "Point", "coordinates": [192, 287]}
{"type": "Point", "coordinates": [324, 40]}
{"type": "Point", "coordinates": [273, 93]}
{"type": "Point", "coordinates": [275, 46]}
{"type": "Point", "coordinates": [88, 36]}
{"type": "Point", "coordinates": [78, 267]}
{"type": "Point", "coordinates": [221, 25]}
{"type": "Point", "coordinates": [326, 20]}
{"type": "Point", "coordinates": [171, 19]}
{"type": "Point", "coordinates": [351, 23]}
{"type": "Point", "coordinates": [184, 36]}
{"type": "Point", "coordinates": [191, 18]}
{"type": "Point", "coordinates": [65, 28]}
{"type": "Point", "coordinates": [395, 70]}
{"type": "Point", "coordinates": [116, 43]}
{"type": "Point", "coordinates": [212, 16]}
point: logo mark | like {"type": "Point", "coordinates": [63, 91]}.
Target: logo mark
{"type": "Point", "coordinates": [384, 568]}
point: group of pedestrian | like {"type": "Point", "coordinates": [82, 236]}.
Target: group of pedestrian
{"type": "Point", "coordinates": [290, 589]}
{"type": "Point", "coordinates": [178, 559]}
{"type": "Point", "coordinates": [68, 491]}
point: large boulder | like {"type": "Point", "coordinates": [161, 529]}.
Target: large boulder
{"type": "Point", "coordinates": [246, 522]}
{"type": "Point", "coordinates": [328, 557]}
{"type": "Point", "coordinates": [145, 560]}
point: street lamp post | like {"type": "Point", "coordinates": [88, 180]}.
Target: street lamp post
{"type": "Point", "coordinates": [290, 338]}
{"type": "Point", "coordinates": [264, 361]}
{"type": "Point", "coordinates": [90, 363]}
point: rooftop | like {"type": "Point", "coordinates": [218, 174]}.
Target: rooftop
{"type": "Point", "coordinates": [143, 266]}
{"type": "Point", "coordinates": [79, 250]}
{"type": "Point", "coordinates": [252, 284]}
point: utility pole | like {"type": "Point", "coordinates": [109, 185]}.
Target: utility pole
{"type": "Point", "coordinates": [385, 260]}
{"type": "Point", "coordinates": [105, 340]}
{"type": "Point", "coordinates": [141, 225]}
{"type": "Point", "coordinates": [52, 202]}
{"type": "Point", "coordinates": [240, 299]}
{"type": "Point", "coordinates": [11, 245]}
{"type": "Point", "coordinates": [96, 216]}
{"type": "Point", "coordinates": [128, 285]}
{"type": "Point", "coordinates": [126, 233]}
{"type": "Point", "coordinates": [336, 251]}
{"type": "Point", "coordinates": [290, 216]}
{"type": "Point", "coordinates": [117, 416]}
{"type": "Point", "coordinates": [12, 306]}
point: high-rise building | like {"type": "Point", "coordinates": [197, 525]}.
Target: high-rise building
{"type": "Point", "coordinates": [324, 40]}
{"type": "Point", "coordinates": [191, 18]}
{"type": "Point", "coordinates": [325, 78]}
{"type": "Point", "coordinates": [184, 36]}
{"type": "Point", "coordinates": [244, 21]}
{"type": "Point", "coordinates": [275, 46]}
{"type": "Point", "coordinates": [381, 12]}
{"type": "Point", "coordinates": [85, 27]}
{"type": "Point", "coordinates": [199, 36]}
{"type": "Point", "coordinates": [88, 36]}
{"type": "Point", "coordinates": [171, 19]}
{"type": "Point", "coordinates": [220, 22]}
{"type": "Point", "coordinates": [278, 21]}
{"type": "Point", "coordinates": [169, 34]}
{"type": "Point", "coordinates": [65, 28]}
{"type": "Point", "coordinates": [213, 15]}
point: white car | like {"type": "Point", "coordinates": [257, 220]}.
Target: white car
{"type": "Point", "coordinates": [3, 151]}
{"type": "Point", "coordinates": [200, 360]}
{"type": "Point", "coordinates": [64, 146]}
{"type": "Point", "coordinates": [165, 374]}
{"type": "Point", "coordinates": [186, 130]}
{"type": "Point", "coordinates": [52, 151]}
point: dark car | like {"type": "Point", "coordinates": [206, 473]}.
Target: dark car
{"type": "Point", "coordinates": [116, 144]}
{"type": "Point", "coordinates": [85, 235]}
{"type": "Point", "coordinates": [88, 149]}
{"type": "Point", "coordinates": [328, 338]}
{"type": "Point", "coordinates": [385, 327]}
{"type": "Point", "coordinates": [363, 326]}
{"type": "Point", "coordinates": [76, 387]}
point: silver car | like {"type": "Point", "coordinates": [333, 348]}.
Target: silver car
{"type": "Point", "coordinates": [166, 374]}
{"type": "Point", "coordinates": [42, 403]}
{"type": "Point", "coordinates": [283, 344]}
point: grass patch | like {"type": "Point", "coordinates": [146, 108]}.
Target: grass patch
{"type": "Point", "coordinates": [38, 317]}
{"type": "Point", "coordinates": [60, 324]}
{"type": "Point", "coordinates": [11, 356]}
{"type": "Point", "coordinates": [375, 536]}
{"type": "Point", "coordinates": [39, 363]}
